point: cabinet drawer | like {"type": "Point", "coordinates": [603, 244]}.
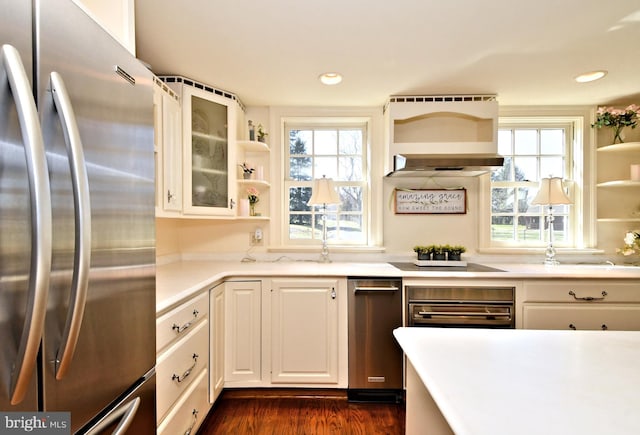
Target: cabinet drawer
{"type": "Point", "coordinates": [581, 291]}
{"type": "Point", "coordinates": [179, 365]}
{"type": "Point", "coordinates": [178, 322]}
{"type": "Point", "coordinates": [582, 317]}
{"type": "Point", "coordinates": [190, 411]}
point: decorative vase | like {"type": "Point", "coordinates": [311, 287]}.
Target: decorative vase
{"type": "Point", "coordinates": [617, 134]}
{"type": "Point", "coordinates": [424, 256]}
{"type": "Point", "coordinates": [246, 175]}
{"type": "Point", "coordinates": [252, 209]}
{"type": "Point", "coordinates": [439, 256]}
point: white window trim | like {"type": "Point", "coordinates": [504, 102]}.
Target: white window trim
{"type": "Point", "coordinates": [583, 175]}
{"type": "Point", "coordinates": [278, 116]}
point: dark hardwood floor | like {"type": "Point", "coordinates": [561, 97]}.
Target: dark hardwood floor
{"type": "Point", "coordinates": [300, 412]}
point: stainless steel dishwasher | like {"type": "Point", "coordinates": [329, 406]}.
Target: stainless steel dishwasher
{"type": "Point", "coordinates": [375, 358]}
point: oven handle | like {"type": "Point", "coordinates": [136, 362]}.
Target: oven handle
{"type": "Point", "coordinates": [455, 313]}
{"type": "Point", "coordinates": [375, 289]}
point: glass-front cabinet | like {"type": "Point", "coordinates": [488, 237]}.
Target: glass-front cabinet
{"type": "Point", "coordinates": [208, 153]}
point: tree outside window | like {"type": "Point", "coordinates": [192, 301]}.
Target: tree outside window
{"type": "Point", "coordinates": [337, 152]}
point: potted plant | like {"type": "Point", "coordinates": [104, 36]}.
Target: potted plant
{"type": "Point", "coordinates": [617, 119]}
{"type": "Point", "coordinates": [424, 252]}
{"type": "Point", "coordinates": [455, 252]}
{"type": "Point", "coordinates": [439, 252]}
{"type": "Point", "coordinates": [246, 171]}
{"type": "Point", "coordinates": [262, 135]}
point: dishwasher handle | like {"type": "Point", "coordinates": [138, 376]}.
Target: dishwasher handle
{"type": "Point", "coordinates": [358, 289]}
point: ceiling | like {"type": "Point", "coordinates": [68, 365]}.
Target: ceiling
{"type": "Point", "coordinates": [272, 52]}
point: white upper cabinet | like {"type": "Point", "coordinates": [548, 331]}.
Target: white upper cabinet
{"type": "Point", "coordinates": [168, 145]}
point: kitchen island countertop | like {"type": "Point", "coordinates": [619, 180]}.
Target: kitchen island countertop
{"type": "Point", "coordinates": [177, 281]}
{"type": "Point", "coordinates": [525, 381]}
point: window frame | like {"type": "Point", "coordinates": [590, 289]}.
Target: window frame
{"type": "Point", "coordinates": [581, 234]}
{"type": "Point", "coordinates": [322, 123]}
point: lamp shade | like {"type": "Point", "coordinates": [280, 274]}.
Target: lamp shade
{"type": "Point", "coordinates": [323, 192]}
{"type": "Point", "coordinates": [551, 192]}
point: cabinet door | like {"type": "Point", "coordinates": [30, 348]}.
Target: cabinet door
{"type": "Point", "coordinates": [216, 314]}
{"type": "Point", "coordinates": [243, 327]}
{"type": "Point", "coordinates": [572, 316]}
{"type": "Point", "coordinates": [172, 153]}
{"type": "Point", "coordinates": [209, 137]}
{"type": "Point", "coordinates": [304, 331]}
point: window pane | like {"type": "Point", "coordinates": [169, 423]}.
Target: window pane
{"type": "Point", "coordinates": [526, 142]}
{"type": "Point", "coordinates": [299, 226]}
{"type": "Point", "coordinates": [350, 198]}
{"type": "Point", "coordinates": [351, 227]}
{"type": "Point", "coordinates": [350, 168]}
{"type": "Point", "coordinates": [350, 141]}
{"type": "Point", "coordinates": [300, 142]}
{"type": "Point", "coordinates": [526, 168]}
{"type": "Point", "coordinates": [552, 141]}
{"type": "Point", "coordinates": [325, 166]}
{"type": "Point", "coordinates": [504, 142]}
{"type": "Point", "coordinates": [553, 166]}
{"type": "Point", "coordinates": [326, 142]}
{"type": "Point", "coordinates": [529, 228]}
{"type": "Point", "coordinates": [502, 228]}
{"type": "Point", "coordinates": [502, 200]}
{"type": "Point", "coordinates": [300, 168]}
{"type": "Point", "coordinates": [504, 173]}
{"type": "Point", "coordinates": [298, 198]}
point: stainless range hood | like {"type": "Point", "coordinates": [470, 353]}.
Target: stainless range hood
{"type": "Point", "coordinates": [443, 165]}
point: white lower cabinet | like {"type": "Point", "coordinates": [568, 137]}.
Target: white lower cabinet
{"type": "Point", "coordinates": [581, 304]}
{"type": "Point", "coordinates": [305, 330]}
{"type": "Point", "coordinates": [243, 326]}
{"type": "Point", "coordinates": [569, 316]}
{"type": "Point", "coordinates": [216, 358]}
{"type": "Point", "coordinates": [190, 411]}
{"type": "Point", "coordinates": [182, 344]}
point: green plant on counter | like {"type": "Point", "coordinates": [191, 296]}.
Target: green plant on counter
{"type": "Point", "coordinates": [457, 249]}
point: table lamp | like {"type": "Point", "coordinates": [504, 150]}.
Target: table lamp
{"type": "Point", "coordinates": [551, 193]}
{"type": "Point", "coordinates": [323, 193]}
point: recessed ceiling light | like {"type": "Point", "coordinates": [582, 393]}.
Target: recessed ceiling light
{"type": "Point", "coordinates": [590, 76]}
{"type": "Point", "coordinates": [330, 78]}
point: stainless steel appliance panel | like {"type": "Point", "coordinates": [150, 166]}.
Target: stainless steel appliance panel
{"type": "Point", "coordinates": [16, 226]}
{"type": "Point", "coordinates": [103, 213]}
{"type": "Point", "coordinates": [133, 414]}
{"type": "Point", "coordinates": [375, 310]}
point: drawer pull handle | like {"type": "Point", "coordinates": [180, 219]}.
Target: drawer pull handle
{"type": "Point", "coordinates": [193, 423]}
{"type": "Point", "coordinates": [182, 328]}
{"type": "Point", "coordinates": [572, 326]}
{"type": "Point", "coordinates": [179, 378]}
{"type": "Point", "coordinates": [587, 298]}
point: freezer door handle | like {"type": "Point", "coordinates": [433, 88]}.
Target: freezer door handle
{"type": "Point", "coordinates": [82, 212]}
{"type": "Point", "coordinates": [126, 414]}
{"type": "Point", "coordinates": [41, 228]}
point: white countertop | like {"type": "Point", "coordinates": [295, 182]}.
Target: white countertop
{"type": "Point", "coordinates": [529, 382]}
{"type": "Point", "coordinates": [179, 280]}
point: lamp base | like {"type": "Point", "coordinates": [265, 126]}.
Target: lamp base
{"type": "Point", "coordinates": [550, 256]}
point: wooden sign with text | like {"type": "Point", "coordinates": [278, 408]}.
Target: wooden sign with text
{"type": "Point", "coordinates": [430, 201]}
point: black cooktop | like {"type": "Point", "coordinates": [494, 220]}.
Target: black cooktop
{"type": "Point", "coordinates": [470, 267]}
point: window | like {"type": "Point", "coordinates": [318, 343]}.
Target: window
{"type": "Point", "coordinates": [531, 152]}
{"type": "Point", "coordinates": [336, 151]}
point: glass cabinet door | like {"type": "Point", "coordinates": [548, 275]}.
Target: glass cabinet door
{"type": "Point", "coordinates": [209, 133]}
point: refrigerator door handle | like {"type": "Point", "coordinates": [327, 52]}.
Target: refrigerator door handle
{"type": "Point", "coordinates": [41, 225]}
{"type": "Point", "coordinates": [82, 212]}
{"type": "Point", "coordinates": [126, 414]}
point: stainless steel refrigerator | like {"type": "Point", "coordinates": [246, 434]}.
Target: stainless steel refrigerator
{"type": "Point", "coordinates": [77, 233]}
